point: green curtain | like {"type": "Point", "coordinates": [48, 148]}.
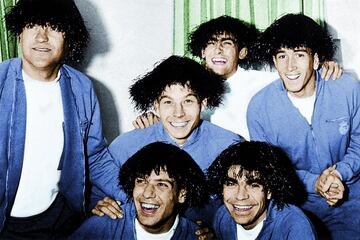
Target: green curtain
{"type": "Point", "coordinates": [190, 13]}
{"type": "Point", "coordinates": [8, 43]}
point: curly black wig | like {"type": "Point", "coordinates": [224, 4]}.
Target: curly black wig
{"type": "Point", "coordinates": [244, 34]}
{"type": "Point", "coordinates": [60, 15]}
{"type": "Point", "coordinates": [177, 163]}
{"type": "Point", "coordinates": [177, 70]}
{"type": "Point", "coordinates": [292, 31]}
{"type": "Point", "coordinates": [262, 163]}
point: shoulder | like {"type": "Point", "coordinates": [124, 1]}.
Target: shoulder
{"type": "Point", "coordinates": [217, 133]}
{"type": "Point", "coordinates": [10, 65]}
{"type": "Point", "coordinates": [223, 218]}
{"type": "Point", "coordinates": [133, 140]}
{"type": "Point", "coordinates": [76, 76]}
{"type": "Point", "coordinates": [186, 229]}
{"type": "Point", "coordinates": [345, 82]}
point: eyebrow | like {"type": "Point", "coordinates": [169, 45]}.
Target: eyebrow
{"type": "Point", "coordinates": [295, 50]}
{"type": "Point", "coordinates": [189, 95]}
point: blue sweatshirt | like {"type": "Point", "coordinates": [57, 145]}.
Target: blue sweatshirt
{"type": "Point", "coordinates": [333, 137]}
{"type": "Point", "coordinates": [124, 228]}
{"type": "Point", "coordinates": [289, 223]}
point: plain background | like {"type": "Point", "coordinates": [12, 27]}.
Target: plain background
{"type": "Point", "coordinates": [129, 36]}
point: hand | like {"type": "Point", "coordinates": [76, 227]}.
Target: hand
{"type": "Point", "coordinates": [108, 207]}
{"type": "Point", "coordinates": [145, 120]}
{"type": "Point", "coordinates": [204, 233]}
{"type": "Point", "coordinates": [330, 186]}
{"type": "Point", "coordinates": [331, 68]}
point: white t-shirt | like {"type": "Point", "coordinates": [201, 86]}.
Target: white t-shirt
{"type": "Point", "coordinates": [304, 105]}
{"type": "Point", "coordinates": [44, 141]}
{"type": "Point", "coordinates": [241, 87]}
{"type": "Point", "coordinates": [141, 234]}
{"type": "Point", "coordinates": [251, 234]}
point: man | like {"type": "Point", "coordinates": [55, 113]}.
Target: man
{"type": "Point", "coordinates": [160, 181]}
{"type": "Point", "coordinates": [50, 127]}
{"type": "Point", "coordinates": [258, 185]}
{"type": "Point", "coordinates": [315, 121]}
{"type": "Point", "coordinates": [178, 89]}
{"type": "Point", "coordinates": [225, 45]}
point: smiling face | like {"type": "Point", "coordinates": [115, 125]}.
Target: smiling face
{"type": "Point", "coordinates": [296, 69]}
{"type": "Point", "coordinates": [42, 49]}
{"type": "Point", "coordinates": [246, 201]}
{"type": "Point", "coordinates": [222, 55]}
{"type": "Point", "coordinates": [179, 110]}
{"type": "Point", "coordinates": [156, 198]}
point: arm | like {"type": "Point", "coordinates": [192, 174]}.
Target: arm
{"type": "Point", "coordinates": [102, 166]}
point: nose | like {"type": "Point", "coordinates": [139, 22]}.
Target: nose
{"type": "Point", "coordinates": [242, 193]}
{"type": "Point", "coordinates": [178, 110]}
{"type": "Point", "coordinates": [42, 34]}
{"type": "Point", "coordinates": [219, 47]}
{"type": "Point", "coordinates": [291, 65]}
{"type": "Point", "coordinates": [149, 191]}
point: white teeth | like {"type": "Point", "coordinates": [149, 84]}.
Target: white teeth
{"type": "Point", "coordinates": [148, 205]}
{"type": "Point", "coordinates": [242, 207]}
{"type": "Point", "coordinates": [178, 124]}
{"type": "Point", "coordinates": [221, 60]}
{"type": "Point", "coordinates": [42, 49]}
{"type": "Point", "coordinates": [293, 76]}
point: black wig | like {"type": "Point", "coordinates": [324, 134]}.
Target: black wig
{"type": "Point", "coordinates": [292, 31]}
{"type": "Point", "coordinates": [177, 163]}
{"type": "Point", "coordinates": [243, 33]}
{"type": "Point", "coordinates": [261, 163]}
{"type": "Point", "coordinates": [60, 15]}
{"type": "Point", "coordinates": [177, 70]}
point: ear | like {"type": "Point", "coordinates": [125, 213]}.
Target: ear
{"type": "Point", "coordinates": [182, 196]}
{"type": "Point", "coordinates": [203, 53]}
{"type": "Point", "coordinates": [203, 105]}
{"type": "Point", "coordinates": [243, 53]}
{"type": "Point", "coordinates": [156, 107]}
{"type": "Point", "coordinates": [268, 195]}
{"type": "Point", "coordinates": [316, 61]}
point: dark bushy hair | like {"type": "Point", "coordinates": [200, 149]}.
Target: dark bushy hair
{"type": "Point", "coordinates": [60, 15]}
{"type": "Point", "coordinates": [177, 70]}
{"type": "Point", "coordinates": [292, 31]}
{"type": "Point", "coordinates": [177, 163]}
{"type": "Point", "coordinates": [262, 163]}
{"type": "Point", "coordinates": [244, 35]}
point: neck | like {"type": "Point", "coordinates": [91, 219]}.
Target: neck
{"type": "Point", "coordinates": [162, 227]}
{"type": "Point", "coordinates": [46, 74]}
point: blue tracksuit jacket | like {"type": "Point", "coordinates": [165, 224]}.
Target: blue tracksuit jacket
{"type": "Point", "coordinates": [289, 223]}
{"type": "Point", "coordinates": [84, 143]}
{"type": "Point", "coordinates": [124, 228]}
{"type": "Point", "coordinates": [333, 137]}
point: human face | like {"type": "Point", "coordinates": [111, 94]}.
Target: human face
{"type": "Point", "coordinates": [42, 49]}
{"type": "Point", "coordinates": [179, 110]}
{"type": "Point", "coordinates": [156, 198]}
{"type": "Point", "coordinates": [246, 201]}
{"type": "Point", "coordinates": [221, 55]}
{"type": "Point", "coordinates": [296, 69]}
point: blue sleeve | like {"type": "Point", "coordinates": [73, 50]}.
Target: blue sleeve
{"type": "Point", "coordinates": [298, 227]}
{"type": "Point", "coordinates": [349, 167]}
{"type": "Point", "coordinates": [103, 170]}
{"type": "Point", "coordinates": [94, 228]}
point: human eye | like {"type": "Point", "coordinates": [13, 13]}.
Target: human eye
{"type": "Point", "coordinates": [229, 183]}
{"type": "Point", "coordinates": [280, 56]}
{"type": "Point", "coordinates": [255, 185]}
{"type": "Point", "coordinates": [228, 42]}
{"type": "Point", "coordinates": [189, 101]}
{"type": "Point", "coordinates": [163, 185]}
{"type": "Point", "coordinates": [166, 101]}
{"type": "Point", "coordinates": [300, 54]}
{"type": "Point", "coordinates": [139, 181]}
{"type": "Point", "coordinates": [210, 42]}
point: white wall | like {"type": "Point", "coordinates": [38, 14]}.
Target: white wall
{"type": "Point", "coordinates": [343, 18]}
{"type": "Point", "coordinates": [127, 38]}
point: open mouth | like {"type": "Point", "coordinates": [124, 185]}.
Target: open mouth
{"type": "Point", "coordinates": [149, 208]}
{"type": "Point", "coordinates": [242, 208]}
{"type": "Point", "coordinates": [219, 60]}
{"type": "Point", "coordinates": [292, 76]}
{"type": "Point", "coordinates": [178, 124]}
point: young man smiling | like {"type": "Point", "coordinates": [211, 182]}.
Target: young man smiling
{"type": "Point", "coordinates": [316, 122]}
{"type": "Point", "coordinates": [258, 186]}
{"type": "Point", "coordinates": [179, 89]}
{"type": "Point", "coordinates": [161, 181]}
